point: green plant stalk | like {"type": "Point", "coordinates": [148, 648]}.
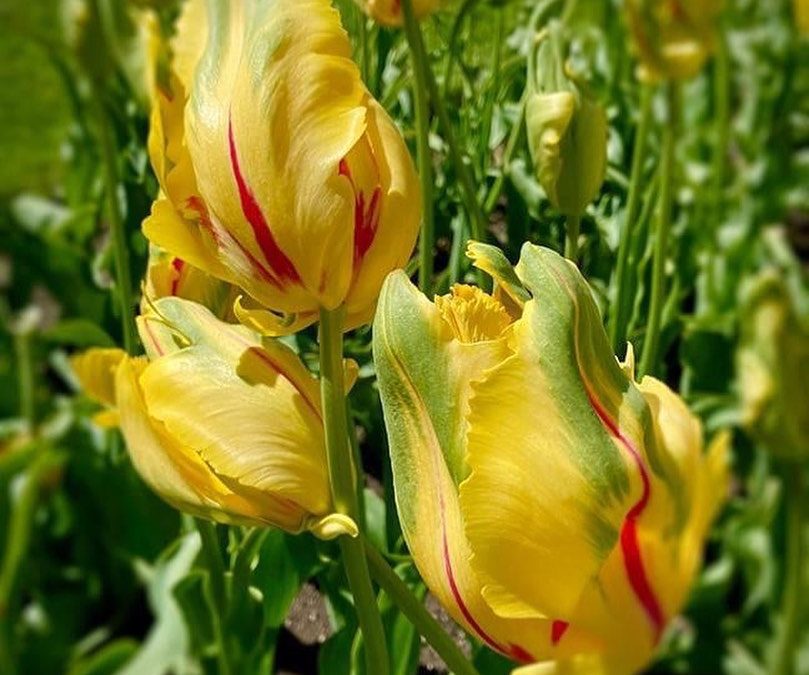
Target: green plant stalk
{"type": "Point", "coordinates": [414, 610]}
{"type": "Point", "coordinates": [467, 181]}
{"type": "Point", "coordinates": [342, 475]}
{"type": "Point", "coordinates": [651, 343]}
{"type": "Point", "coordinates": [619, 315]}
{"type": "Point", "coordinates": [425, 162]}
{"type": "Point", "coordinates": [511, 145]}
{"type": "Point", "coordinates": [786, 647]}
{"type": "Point", "coordinates": [16, 546]}
{"type": "Point", "coordinates": [123, 274]}
{"type": "Point", "coordinates": [572, 229]}
{"type": "Point", "coordinates": [721, 95]}
{"type": "Point", "coordinates": [218, 603]}
{"type": "Point", "coordinates": [25, 378]}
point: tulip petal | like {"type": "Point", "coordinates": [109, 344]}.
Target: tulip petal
{"type": "Point", "coordinates": [95, 370]}
{"type": "Point", "coordinates": [425, 376]}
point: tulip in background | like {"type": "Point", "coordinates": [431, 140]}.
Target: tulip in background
{"type": "Point", "coordinates": [672, 38]}
{"type": "Point", "coordinates": [567, 133]}
{"type": "Point", "coordinates": [218, 422]}
{"type": "Point", "coordinates": [555, 507]}
{"type": "Point", "coordinates": [389, 12]}
{"type": "Point", "coordinates": [279, 172]}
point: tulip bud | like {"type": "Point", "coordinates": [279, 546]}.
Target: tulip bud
{"type": "Point", "coordinates": [567, 132]}
{"type": "Point", "coordinates": [672, 38]}
{"type": "Point", "coordinates": [218, 422]}
{"type": "Point", "coordinates": [169, 276]}
{"type": "Point", "coordinates": [555, 507]}
{"type": "Point", "coordinates": [389, 12]}
{"type": "Point", "coordinates": [279, 172]}
{"type": "Point", "coordinates": [773, 364]}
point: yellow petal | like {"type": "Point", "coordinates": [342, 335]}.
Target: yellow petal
{"type": "Point", "coordinates": [95, 370]}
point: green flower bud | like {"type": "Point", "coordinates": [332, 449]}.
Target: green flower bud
{"type": "Point", "coordinates": [567, 131]}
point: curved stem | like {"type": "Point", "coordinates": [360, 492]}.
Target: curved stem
{"type": "Point", "coordinates": [619, 315]}
{"type": "Point", "coordinates": [651, 343]}
{"type": "Point", "coordinates": [425, 161]}
{"type": "Point", "coordinates": [25, 378]}
{"type": "Point", "coordinates": [123, 275]}
{"type": "Point", "coordinates": [342, 475]}
{"type": "Point", "coordinates": [786, 647]}
{"type": "Point", "coordinates": [414, 610]}
{"type": "Point", "coordinates": [721, 87]}
{"type": "Point", "coordinates": [511, 145]}
{"type": "Point", "coordinates": [572, 228]}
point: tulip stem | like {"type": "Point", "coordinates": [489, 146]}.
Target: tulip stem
{"type": "Point", "coordinates": [572, 228]}
{"type": "Point", "coordinates": [25, 378]}
{"type": "Point", "coordinates": [218, 601]}
{"type": "Point", "coordinates": [415, 611]}
{"type": "Point", "coordinates": [123, 275]}
{"type": "Point", "coordinates": [618, 317]}
{"type": "Point", "coordinates": [342, 474]}
{"type": "Point", "coordinates": [425, 160]}
{"type": "Point", "coordinates": [415, 39]}
{"type": "Point", "coordinates": [785, 651]}
{"type": "Point", "coordinates": [651, 343]}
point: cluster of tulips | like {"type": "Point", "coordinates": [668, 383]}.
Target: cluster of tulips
{"type": "Point", "coordinates": [555, 504]}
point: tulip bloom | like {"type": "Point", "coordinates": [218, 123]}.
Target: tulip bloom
{"type": "Point", "coordinates": [219, 423]}
{"type": "Point", "coordinates": [389, 12]}
{"type": "Point", "coordinates": [672, 38]}
{"type": "Point", "coordinates": [279, 172]}
{"type": "Point", "coordinates": [555, 507]}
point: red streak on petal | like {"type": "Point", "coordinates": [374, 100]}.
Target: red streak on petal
{"type": "Point", "coordinates": [366, 217]}
{"type": "Point", "coordinates": [282, 267]}
{"type": "Point", "coordinates": [558, 629]}
{"type": "Point", "coordinates": [177, 264]}
{"type": "Point", "coordinates": [630, 545]}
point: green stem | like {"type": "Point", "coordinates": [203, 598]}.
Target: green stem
{"type": "Point", "coordinates": [651, 343]}
{"type": "Point", "coordinates": [123, 275]}
{"type": "Point", "coordinates": [511, 145]}
{"type": "Point", "coordinates": [365, 62]}
{"type": "Point", "coordinates": [786, 647]}
{"type": "Point", "coordinates": [721, 93]}
{"type": "Point", "coordinates": [464, 173]}
{"type": "Point", "coordinates": [25, 381]}
{"type": "Point", "coordinates": [425, 161]}
{"type": "Point", "coordinates": [216, 578]}
{"type": "Point", "coordinates": [572, 228]}
{"type": "Point", "coordinates": [619, 315]}
{"type": "Point", "coordinates": [342, 475]}
{"type": "Point", "coordinates": [414, 610]}
{"type": "Point", "coordinates": [18, 539]}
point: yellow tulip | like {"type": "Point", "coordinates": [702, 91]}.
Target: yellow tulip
{"type": "Point", "coordinates": [279, 172]}
{"type": "Point", "coordinates": [672, 38]}
{"type": "Point", "coordinates": [169, 276]}
{"type": "Point", "coordinates": [773, 362]}
{"type": "Point", "coordinates": [555, 507]}
{"type": "Point", "coordinates": [389, 12]}
{"type": "Point", "coordinates": [218, 422]}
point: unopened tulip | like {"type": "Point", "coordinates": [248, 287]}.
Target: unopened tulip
{"type": "Point", "coordinates": [773, 363]}
{"type": "Point", "coordinates": [567, 131]}
{"type": "Point", "coordinates": [555, 507]}
{"type": "Point", "coordinates": [389, 12]}
{"type": "Point", "coordinates": [279, 172]}
{"type": "Point", "coordinates": [672, 38]}
{"type": "Point", "coordinates": [170, 276]}
{"type": "Point", "coordinates": [218, 422]}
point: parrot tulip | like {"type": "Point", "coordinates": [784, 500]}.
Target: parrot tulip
{"type": "Point", "coordinates": [554, 506]}
{"type": "Point", "coordinates": [389, 12]}
{"type": "Point", "coordinates": [218, 422]}
{"type": "Point", "coordinates": [672, 38]}
{"type": "Point", "coordinates": [279, 172]}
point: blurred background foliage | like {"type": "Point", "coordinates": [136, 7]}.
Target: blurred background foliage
{"type": "Point", "coordinates": [98, 576]}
